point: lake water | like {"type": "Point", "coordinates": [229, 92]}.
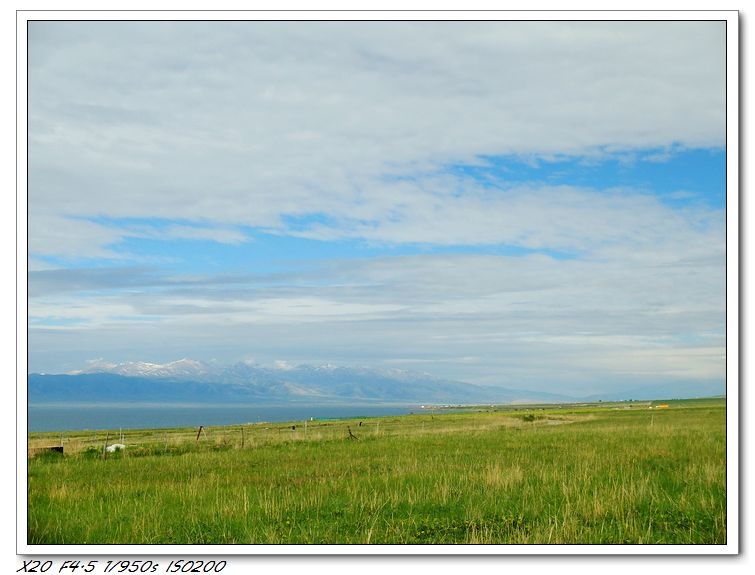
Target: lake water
{"type": "Point", "coordinates": [74, 417]}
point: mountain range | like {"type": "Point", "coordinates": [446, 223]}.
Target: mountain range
{"type": "Point", "coordinates": [192, 381]}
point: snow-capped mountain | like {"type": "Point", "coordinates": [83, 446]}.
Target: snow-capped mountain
{"type": "Point", "coordinates": [191, 380]}
{"type": "Point", "coordinates": [244, 371]}
{"type": "Point", "coordinates": [182, 368]}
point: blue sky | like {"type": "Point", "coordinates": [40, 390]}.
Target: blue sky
{"type": "Point", "coordinates": [526, 204]}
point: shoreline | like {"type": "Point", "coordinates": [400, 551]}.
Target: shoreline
{"type": "Point", "coordinates": [328, 412]}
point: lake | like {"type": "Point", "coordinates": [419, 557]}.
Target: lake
{"type": "Point", "coordinates": [75, 417]}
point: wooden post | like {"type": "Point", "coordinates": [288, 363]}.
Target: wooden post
{"type": "Point", "coordinates": [242, 437]}
{"type": "Point", "coordinates": [201, 427]}
{"type": "Point", "coordinates": [104, 445]}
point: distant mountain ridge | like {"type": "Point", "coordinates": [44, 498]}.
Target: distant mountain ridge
{"type": "Point", "coordinates": [192, 381]}
{"type": "Point", "coordinates": [189, 380]}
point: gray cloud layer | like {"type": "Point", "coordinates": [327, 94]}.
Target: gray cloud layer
{"type": "Point", "coordinates": [491, 319]}
{"type": "Point", "coordinates": [221, 129]}
{"type": "Point", "coordinates": [243, 122]}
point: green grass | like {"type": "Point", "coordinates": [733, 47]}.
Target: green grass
{"type": "Point", "coordinates": [562, 475]}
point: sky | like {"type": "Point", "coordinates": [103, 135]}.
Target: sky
{"type": "Point", "coordinates": [536, 205]}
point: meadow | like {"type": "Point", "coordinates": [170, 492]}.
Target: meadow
{"type": "Point", "coordinates": [625, 473]}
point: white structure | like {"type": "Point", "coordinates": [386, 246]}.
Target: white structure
{"type": "Point", "coordinates": [115, 447]}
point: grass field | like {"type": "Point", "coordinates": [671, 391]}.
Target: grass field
{"type": "Point", "coordinates": [593, 474]}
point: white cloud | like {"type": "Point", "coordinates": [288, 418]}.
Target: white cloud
{"type": "Point", "coordinates": [561, 218]}
{"type": "Point", "coordinates": [52, 235]}
{"type": "Point", "coordinates": [240, 123]}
